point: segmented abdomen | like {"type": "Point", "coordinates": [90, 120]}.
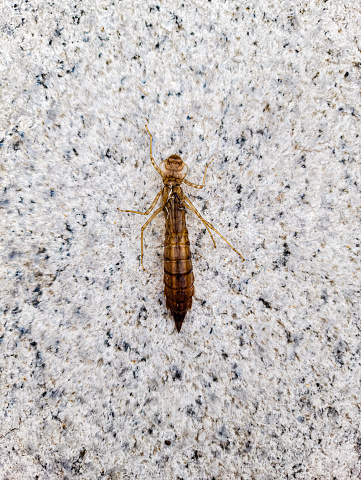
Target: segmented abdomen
{"type": "Point", "coordinates": [178, 270]}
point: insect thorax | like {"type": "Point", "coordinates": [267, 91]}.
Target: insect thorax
{"type": "Point", "coordinates": [171, 190]}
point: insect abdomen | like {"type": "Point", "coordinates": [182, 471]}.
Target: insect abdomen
{"type": "Point", "coordinates": [178, 270]}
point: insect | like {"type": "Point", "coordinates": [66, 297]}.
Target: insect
{"type": "Point", "coordinates": [178, 270]}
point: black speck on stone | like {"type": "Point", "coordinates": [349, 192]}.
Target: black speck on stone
{"type": "Point", "coordinates": [265, 303]}
{"type": "Point", "coordinates": [177, 374]}
{"type": "Point", "coordinates": [16, 145]}
{"type": "Point", "coordinates": [332, 412]}
{"type": "Point", "coordinates": [190, 411]}
{"type": "Point", "coordinates": [339, 351]}
{"type": "Point", "coordinates": [143, 313]}
{"type": "Point", "coordinates": [248, 447]}
{"type": "Point", "coordinates": [241, 140]}
{"type": "Point", "coordinates": [41, 79]}
{"type": "Point", "coordinates": [196, 455]}
{"type": "Point", "coordinates": [286, 254]}
{"type": "Point", "coordinates": [358, 445]}
{"type": "Point", "coordinates": [324, 296]}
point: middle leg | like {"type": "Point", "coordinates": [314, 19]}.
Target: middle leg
{"type": "Point", "coordinates": [160, 209]}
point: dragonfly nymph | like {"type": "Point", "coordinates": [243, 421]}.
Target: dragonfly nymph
{"type": "Point", "coordinates": [178, 269]}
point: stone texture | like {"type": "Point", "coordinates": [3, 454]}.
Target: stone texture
{"type": "Point", "coordinates": [263, 381]}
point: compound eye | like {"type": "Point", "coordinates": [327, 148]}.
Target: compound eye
{"type": "Point", "coordinates": [184, 170]}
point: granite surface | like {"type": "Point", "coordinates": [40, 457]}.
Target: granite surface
{"type": "Point", "coordinates": [263, 382]}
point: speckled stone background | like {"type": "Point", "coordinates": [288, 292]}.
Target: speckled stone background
{"type": "Point", "coordinates": [263, 382]}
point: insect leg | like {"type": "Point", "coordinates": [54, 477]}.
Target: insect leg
{"type": "Point", "coordinates": [151, 157]}
{"type": "Point", "coordinates": [142, 91]}
{"type": "Point", "coordinates": [148, 210]}
{"type": "Point", "coordinates": [204, 178]}
{"type": "Point", "coordinates": [192, 208]}
{"type": "Point", "coordinates": [160, 209]}
{"type": "Point", "coordinates": [207, 224]}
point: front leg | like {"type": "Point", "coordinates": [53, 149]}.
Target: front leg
{"type": "Point", "coordinates": [190, 184]}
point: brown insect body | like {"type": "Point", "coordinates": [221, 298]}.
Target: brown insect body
{"type": "Point", "coordinates": [178, 269]}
